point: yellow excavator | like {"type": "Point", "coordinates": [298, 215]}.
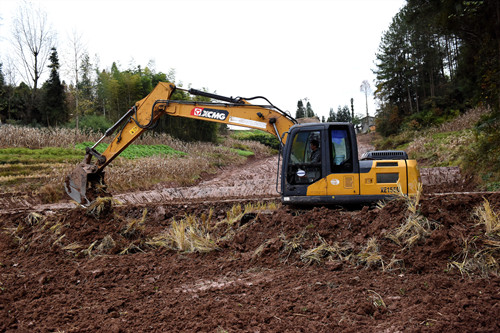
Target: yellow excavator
{"type": "Point", "coordinates": [318, 162]}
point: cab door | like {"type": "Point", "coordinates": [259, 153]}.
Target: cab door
{"type": "Point", "coordinates": [303, 173]}
{"type": "Point", "coordinates": [343, 167]}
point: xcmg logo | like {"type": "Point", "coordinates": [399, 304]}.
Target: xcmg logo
{"type": "Point", "coordinates": [210, 113]}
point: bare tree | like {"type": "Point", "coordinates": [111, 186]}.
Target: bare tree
{"type": "Point", "coordinates": [10, 78]}
{"type": "Point", "coordinates": [77, 50]}
{"type": "Point", "coordinates": [33, 38]}
{"type": "Point", "coordinates": [9, 71]}
{"type": "Point", "coordinates": [365, 88]}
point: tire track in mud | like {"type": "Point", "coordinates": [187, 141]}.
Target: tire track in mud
{"type": "Point", "coordinates": [256, 179]}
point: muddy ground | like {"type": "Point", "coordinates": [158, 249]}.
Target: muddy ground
{"type": "Point", "coordinates": [65, 269]}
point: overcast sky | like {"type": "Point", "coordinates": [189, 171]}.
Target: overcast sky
{"type": "Point", "coordinates": [285, 50]}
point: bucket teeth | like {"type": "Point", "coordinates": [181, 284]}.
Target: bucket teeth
{"type": "Point", "coordinates": [80, 180]}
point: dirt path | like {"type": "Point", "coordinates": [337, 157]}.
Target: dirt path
{"type": "Point", "coordinates": [255, 179]}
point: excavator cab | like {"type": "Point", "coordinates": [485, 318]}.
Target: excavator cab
{"type": "Point", "coordinates": [305, 181]}
{"type": "Point", "coordinates": [341, 177]}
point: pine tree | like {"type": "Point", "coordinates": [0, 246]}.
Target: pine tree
{"type": "Point", "coordinates": [54, 110]}
{"type": "Point", "coordinates": [309, 110]}
{"type": "Point", "coordinates": [3, 99]}
{"type": "Point", "coordinates": [332, 117]}
{"type": "Point", "coordinates": [344, 114]}
{"type": "Point", "coordinates": [301, 112]}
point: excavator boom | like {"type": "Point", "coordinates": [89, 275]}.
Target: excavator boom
{"type": "Point", "coordinates": [87, 178]}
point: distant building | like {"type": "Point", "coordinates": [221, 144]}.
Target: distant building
{"type": "Point", "coordinates": [367, 124]}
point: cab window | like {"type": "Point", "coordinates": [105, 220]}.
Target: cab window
{"type": "Point", "coordinates": [341, 156]}
{"type": "Point", "coordinates": [304, 164]}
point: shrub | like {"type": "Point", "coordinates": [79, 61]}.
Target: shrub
{"type": "Point", "coordinates": [259, 136]}
{"type": "Point", "coordinates": [92, 122]}
{"type": "Point", "coordinates": [485, 152]}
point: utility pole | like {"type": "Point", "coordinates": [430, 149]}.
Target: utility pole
{"type": "Point", "coordinates": [352, 108]}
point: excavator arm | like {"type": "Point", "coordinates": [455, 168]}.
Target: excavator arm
{"type": "Point", "coordinates": [87, 179]}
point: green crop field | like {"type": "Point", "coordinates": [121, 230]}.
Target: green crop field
{"type": "Point", "coordinates": [136, 151]}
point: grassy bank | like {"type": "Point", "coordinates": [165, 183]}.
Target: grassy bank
{"type": "Point", "coordinates": [458, 142]}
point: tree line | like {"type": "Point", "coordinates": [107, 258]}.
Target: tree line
{"type": "Point", "coordinates": [95, 98]}
{"type": "Point", "coordinates": [343, 114]}
{"type": "Point", "coordinates": [100, 98]}
{"type": "Point", "coordinates": [437, 59]}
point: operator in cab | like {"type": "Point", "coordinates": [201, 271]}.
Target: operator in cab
{"type": "Point", "coordinates": [315, 152]}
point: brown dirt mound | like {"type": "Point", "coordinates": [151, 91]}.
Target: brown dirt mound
{"type": "Point", "coordinates": [283, 270]}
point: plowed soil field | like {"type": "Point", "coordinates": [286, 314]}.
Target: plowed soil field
{"type": "Point", "coordinates": [270, 268]}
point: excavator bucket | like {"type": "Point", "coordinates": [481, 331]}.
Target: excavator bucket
{"type": "Point", "coordinates": [85, 183]}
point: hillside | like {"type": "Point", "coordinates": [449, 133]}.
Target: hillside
{"type": "Point", "coordinates": [460, 143]}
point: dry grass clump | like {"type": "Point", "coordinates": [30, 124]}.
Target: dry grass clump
{"type": "Point", "coordinates": [481, 253]}
{"type": "Point", "coordinates": [101, 206]}
{"type": "Point", "coordinates": [37, 230]}
{"type": "Point", "coordinates": [106, 244]}
{"type": "Point", "coordinates": [474, 257]}
{"type": "Point", "coordinates": [72, 247]}
{"type": "Point", "coordinates": [292, 245]}
{"type": "Point", "coordinates": [238, 216]}
{"type": "Point", "coordinates": [88, 251]}
{"type": "Point", "coordinates": [203, 234]}
{"type": "Point", "coordinates": [416, 226]}
{"type": "Point", "coordinates": [187, 235]}
{"type": "Point", "coordinates": [376, 299]}
{"type": "Point", "coordinates": [370, 254]}
{"type": "Point", "coordinates": [324, 251]}
{"type": "Point", "coordinates": [237, 212]}
{"type": "Point", "coordinates": [412, 201]}
{"type": "Point", "coordinates": [34, 218]}
{"type": "Point", "coordinates": [135, 226]}
{"type": "Point", "coordinates": [488, 217]}
{"type": "Point", "coordinates": [317, 253]}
